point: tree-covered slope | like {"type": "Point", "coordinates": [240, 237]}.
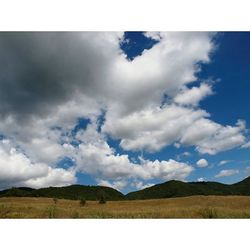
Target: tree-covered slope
{"type": "Point", "coordinates": [180, 189]}
{"type": "Point", "coordinates": [72, 192]}
{"type": "Point", "coordinates": [168, 189]}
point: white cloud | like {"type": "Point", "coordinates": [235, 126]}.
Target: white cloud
{"type": "Point", "coordinates": [227, 172]}
{"type": "Point", "coordinates": [165, 68]}
{"type": "Point", "coordinates": [210, 137]}
{"type": "Point", "coordinates": [118, 185]}
{"type": "Point", "coordinates": [165, 170]}
{"type": "Point", "coordinates": [56, 177]}
{"type": "Point", "coordinates": [153, 35]}
{"type": "Point", "coordinates": [202, 163]}
{"type": "Point", "coordinates": [94, 156]}
{"type": "Point", "coordinates": [223, 162]}
{"type": "Point", "coordinates": [247, 171]}
{"type": "Point", "coordinates": [186, 154]}
{"type": "Point", "coordinates": [201, 179]}
{"type": "Point", "coordinates": [194, 95]}
{"type": "Point", "coordinates": [246, 145]}
{"type": "Point", "coordinates": [152, 129]}
{"type": "Point", "coordinates": [139, 185]}
{"type": "Point", "coordinates": [16, 169]}
{"type": "Point", "coordinates": [141, 123]}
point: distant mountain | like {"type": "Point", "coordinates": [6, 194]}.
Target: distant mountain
{"type": "Point", "coordinates": [168, 189]}
{"type": "Point", "coordinates": [73, 192]}
{"type": "Point", "coordinates": [181, 189]}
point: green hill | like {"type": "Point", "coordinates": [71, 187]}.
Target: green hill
{"type": "Point", "coordinates": [242, 187]}
{"type": "Point", "coordinates": [181, 189]}
{"type": "Point", "coordinates": [168, 189]}
{"type": "Point", "coordinates": [73, 192]}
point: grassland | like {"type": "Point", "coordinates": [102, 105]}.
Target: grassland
{"type": "Point", "coordinates": [187, 207]}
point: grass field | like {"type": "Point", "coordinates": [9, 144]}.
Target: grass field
{"type": "Point", "coordinates": [187, 207]}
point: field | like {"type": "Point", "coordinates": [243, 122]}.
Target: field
{"type": "Point", "coordinates": [187, 207]}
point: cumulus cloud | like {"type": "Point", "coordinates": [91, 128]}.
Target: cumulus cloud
{"type": "Point", "coordinates": [42, 77]}
{"type": "Point", "coordinates": [153, 128]}
{"type": "Point", "coordinates": [16, 169]}
{"type": "Point", "coordinates": [194, 95]}
{"type": "Point", "coordinates": [210, 137]}
{"type": "Point", "coordinates": [202, 163]}
{"type": "Point", "coordinates": [165, 170]}
{"type": "Point", "coordinates": [227, 172]}
{"type": "Point", "coordinates": [94, 156]}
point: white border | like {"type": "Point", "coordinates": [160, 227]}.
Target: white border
{"type": "Point", "coordinates": [124, 234]}
{"type": "Point", "coordinates": [109, 15]}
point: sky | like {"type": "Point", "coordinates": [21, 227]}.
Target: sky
{"type": "Point", "coordinates": [123, 109]}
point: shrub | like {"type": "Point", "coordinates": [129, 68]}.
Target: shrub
{"type": "Point", "coordinates": [51, 210]}
{"type": "Point", "coordinates": [82, 202]}
{"type": "Point", "coordinates": [209, 213]}
{"type": "Point", "coordinates": [102, 200]}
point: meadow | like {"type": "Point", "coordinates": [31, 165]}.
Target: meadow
{"type": "Point", "coordinates": [185, 207]}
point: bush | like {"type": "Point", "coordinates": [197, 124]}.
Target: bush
{"type": "Point", "coordinates": [82, 202]}
{"type": "Point", "coordinates": [51, 210]}
{"type": "Point", "coordinates": [102, 200]}
{"type": "Point", "coordinates": [209, 213]}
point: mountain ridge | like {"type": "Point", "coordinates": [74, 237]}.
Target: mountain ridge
{"type": "Point", "coordinates": [174, 188]}
{"type": "Point", "coordinates": [168, 189]}
{"type": "Point", "coordinates": [72, 192]}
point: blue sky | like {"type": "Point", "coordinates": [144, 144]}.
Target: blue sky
{"type": "Point", "coordinates": [126, 110]}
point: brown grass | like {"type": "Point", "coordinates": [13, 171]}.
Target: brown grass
{"type": "Point", "coordinates": [187, 207]}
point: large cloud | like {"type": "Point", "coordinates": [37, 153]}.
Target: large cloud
{"type": "Point", "coordinates": [40, 71]}
{"type": "Point", "coordinates": [16, 169]}
{"type": "Point", "coordinates": [152, 129]}
{"type": "Point", "coordinates": [210, 137]}
{"type": "Point", "coordinates": [94, 156]}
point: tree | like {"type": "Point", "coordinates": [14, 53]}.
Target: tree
{"type": "Point", "coordinates": [82, 202]}
{"type": "Point", "coordinates": [102, 199]}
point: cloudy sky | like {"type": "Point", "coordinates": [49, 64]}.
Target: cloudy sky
{"type": "Point", "coordinates": [126, 110]}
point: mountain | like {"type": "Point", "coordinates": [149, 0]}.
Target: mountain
{"type": "Point", "coordinates": [181, 189]}
{"type": "Point", "coordinates": [242, 187]}
{"type": "Point", "coordinates": [73, 192]}
{"type": "Point", "coordinates": [168, 189]}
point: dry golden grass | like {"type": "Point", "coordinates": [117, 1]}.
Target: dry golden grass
{"type": "Point", "coordinates": [187, 207]}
